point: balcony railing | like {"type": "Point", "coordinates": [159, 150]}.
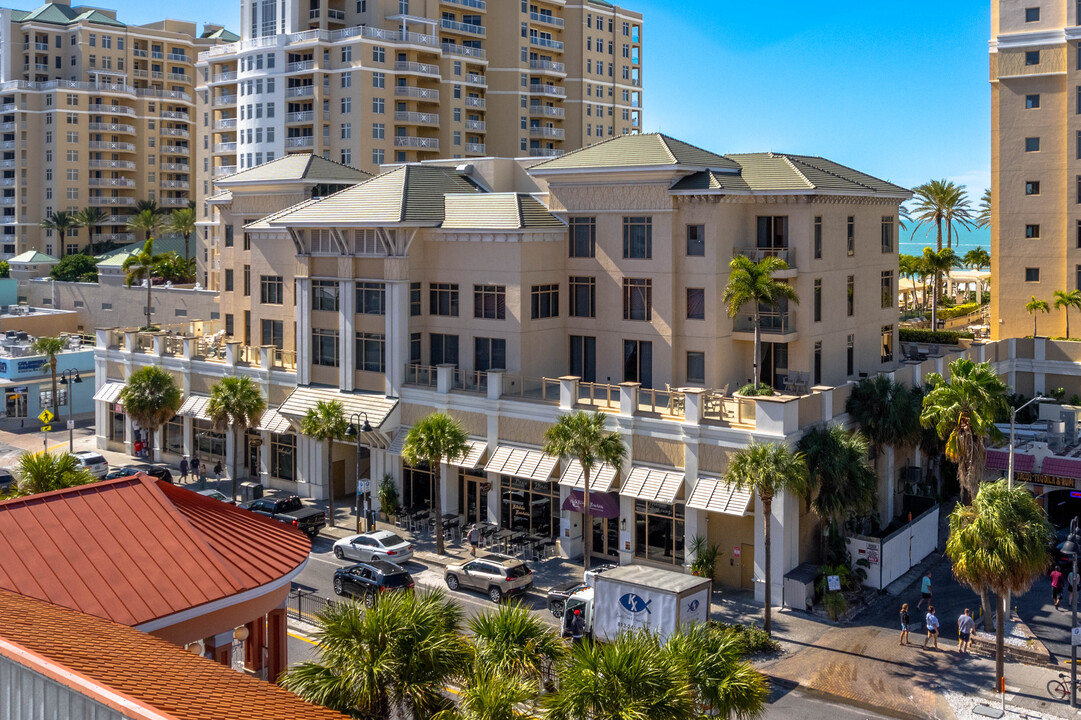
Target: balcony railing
{"type": "Point", "coordinates": [177, 166]}
{"type": "Point", "coordinates": [416, 67]}
{"type": "Point", "coordinates": [296, 117]}
{"type": "Point", "coordinates": [472, 52]}
{"type": "Point", "coordinates": [303, 141]}
{"type": "Point", "coordinates": [475, 79]}
{"type": "Point", "coordinates": [475, 102]}
{"type": "Point", "coordinates": [100, 87]}
{"type": "Point", "coordinates": [416, 118]}
{"type": "Point", "coordinates": [600, 395]}
{"type": "Point", "coordinates": [115, 237]}
{"type": "Point", "coordinates": [175, 115]}
{"type": "Point", "coordinates": [111, 127]}
{"type": "Point", "coordinates": [547, 65]}
{"type": "Point", "coordinates": [409, 141]}
{"type": "Point", "coordinates": [541, 89]}
{"type": "Point", "coordinates": [478, 4]}
{"type": "Point", "coordinates": [225, 147]}
{"type": "Point", "coordinates": [223, 77]}
{"type": "Point", "coordinates": [545, 152]}
{"type": "Point", "coordinates": [768, 323]}
{"type": "Point", "coordinates": [110, 182]}
{"type": "Point", "coordinates": [542, 389]}
{"type": "Point", "coordinates": [112, 164]}
{"type": "Point", "coordinates": [175, 132]}
{"type": "Point", "coordinates": [758, 254]}
{"type": "Point", "coordinates": [178, 57]}
{"type": "Point", "coordinates": [174, 201]}
{"type": "Point", "coordinates": [462, 27]}
{"type": "Point", "coordinates": [300, 91]}
{"type": "Point", "coordinates": [177, 184]}
{"type": "Point", "coordinates": [417, 92]}
{"type": "Point", "coordinates": [109, 109]}
{"type": "Point", "coordinates": [546, 19]}
{"type": "Point", "coordinates": [477, 125]}
{"type": "Point", "coordinates": [300, 66]}
{"type": "Point", "coordinates": [545, 42]}
{"type": "Point", "coordinates": [220, 170]}
{"type": "Point", "coordinates": [101, 200]}
{"type": "Point", "coordinates": [104, 145]}
{"type": "Point", "coordinates": [547, 132]}
{"type": "Point", "coordinates": [547, 111]}
{"type": "Point", "coordinates": [225, 124]}
{"type": "Point", "coordinates": [475, 148]}
{"type": "Point", "coordinates": [221, 100]}
{"type": "Point", "coordinates": [175, 149]}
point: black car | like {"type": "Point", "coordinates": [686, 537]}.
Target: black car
{"type": "Point", "coordinates": [161, 473]}
{"type": "Point", "coordinates": [7, 481]}
{"type": "Point", "coordinates": [370, 579]}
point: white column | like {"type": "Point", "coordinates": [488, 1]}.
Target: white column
{"type": "Point", "coordinates": [304, 331]}
{"type": "Point", "coordinates": [695, 521]}
{"type": "Point", "coordinates": [397, 332]}
{"type": "Point", "coordinates": [347, 323]}
{"type": "Point", "coordinates": [264, 459]}
{"type": "Point", "coordinates": [231, 450]}
{"type": "Point", "coordinates": [784, 545]}
{"type": "Point", "coordinates": [188, 437]}
{"type": "Point", "coordinates": [448, 488]}
{"type": "Point", "coordinates": [129, 436]}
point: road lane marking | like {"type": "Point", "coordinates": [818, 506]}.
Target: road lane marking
{"type": "Point", "coordinates": [301, 637]}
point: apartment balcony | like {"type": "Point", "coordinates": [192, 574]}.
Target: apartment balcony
{"type": "Point", "coordinates": [8, 220]}
{"type": "Point", "coordinates": [7, 163]}
{"type": "Point", "coordinates": [547, 66]}
{"type": "Point", "coordinates": [304, 141]}
{"type": "Point", "coordinates": [8, 126]}
{"type": "Point", "coordinates": [121, 238]}
{"type": "Point", "coordinates": [175, 132]}
{"type": "Point", "coordinates": [175, 184]}
{"type": "Point", "coordinates": [98, 108]}
{"type": "Point", "coordinates": [104, 145]}
{"type": "Point", "coordinates": [428, 94]}
{"type": "Point", "coordinates": [417, 68]}
{"type": "Point", "coordinates": [462, 27]}
{"type": "Point", "coordinates": [8, 144]}
{"type": "Point", "coordinates": [157, 55]}
{"type": "Point", "coordinates": [478, 54]}
{"type": "Point", "coordinates": [306, 116]}
{"type": "Point", "coordinates": [225, 147]}
{"type": "Point", "coordinates": [300, 91]}
{"type": "Point", "coordinates": [545, 42]}
{"type": "Point", "coordinates": [178, 57]}
{"type": "Point", "coordinates": [41, 67]}
{"type": "Point", "coordinates": [173, 202]}
{"type": "Point", "coordinates": [39, 46]}
{"type": "Point", "coordinates": [474, 149]}
{"type": "Point", "coordinates": [157, 75]}
{"type": "Point", "coordinates": [222, 100]}
{"type": "Point", "coordinates": [175, 115]}
{"type": "Point", "coordinates": [180, 78]}
{"type": "Point", "coordinates": [175, 149]}
{"type": "Point", "coordinates": [475, 102]}
{"type": "Point", "coordinates": [547, 132]}
{"type": "Point", "coordinates": [778, 327]}
{"type": "Point", "coordinates": [549, 90]}
{"type": "Point", "coordinates": [421, 143]}
{"type": "Point", "coordinates": [174, 166]}
{"type": "Point", "coordinates": [110, 182]}
{"type": "Point", "coordinates": [7, 182]}
{"type": "Point", "coordinates": [223, 77]}
{"type": "Point", "coordinates": [417, 118]}
{"type": "Point", "coordinates": [115, 219]}
{"type": "Point", "coordinates": [475, 79]}
{"type": "Point", "coordinates": [10, 107]}
{"type": "Point", "coordinates": [546, 19]}
{"type": "Point", "coordinates": [476, 125]}
{"type": "Point", "coordinates": [107, 201]}
{"type": "Point", "coordinates": [476, 4]}
{"type": "Point", "coordinates": [111, 164]}
{"type": "Point", "coordinates": [221, 170]}
{"type": "Point", "coordinates": [301, 66]}
{"type": "Point", "coordinates": [138, 52]}
{"type": "Point", "coordinates": [225, 124]}
{"type": "Point", "coordinates": [140, 73]}
{"type": "Point", "coordinates": [546, 111]}
{"type": "Point", "coordinates": [758, 254]}
{"type": "Point", "coordinates": [545, 152]}
{"type": "Point", "coordinates": [332, 15]}
{"type": "Point", "coordinates": [112, 127]}
{"type": "Point", "coordinates": [7, 201]}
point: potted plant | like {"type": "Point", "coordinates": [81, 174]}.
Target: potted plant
{"type": "Point", "coordinates": [705, 557]}
{"type": "Point", "coordinates": [388, 498]}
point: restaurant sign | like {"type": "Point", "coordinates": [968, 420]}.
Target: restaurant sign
{"type": "Point", "coordinates": [1041, 479]}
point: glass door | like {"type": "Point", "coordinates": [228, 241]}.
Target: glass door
{"type": "Point", "coordinates": [606, 538]}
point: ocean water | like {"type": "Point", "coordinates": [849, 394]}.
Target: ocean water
{"type": "Point", "coordinates": [962, 242]}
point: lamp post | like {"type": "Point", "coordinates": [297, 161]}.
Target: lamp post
{"type": "Point", "coordinates": [1071, 548]}
{"type": "Point", "coordinates": [354, 430]}
{"type": "Point", "coordinates": [1013, 428]}
{"type": "Point", "coordinates": [69, 377]}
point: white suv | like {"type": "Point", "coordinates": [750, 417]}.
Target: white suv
{"type": "Point", "coordinates": [94, 462]}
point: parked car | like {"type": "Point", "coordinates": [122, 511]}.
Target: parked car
{"type": "Point", "coordinates": [7, 481]}
{"type": "Point", "coordinates": [495, 576]}
{"type": "Point", "coordinates": [155, 471]}
{"type": "Point", "coordinates": [378, 545]}
{"type": "Point", "coordinates": [368, 580]}
{"type": "Point", "coordinates": [217, 495]}
{"type": "Point", "coordinates": [94, 462]}
{"type": "Point", "coordinates": [290, 510]}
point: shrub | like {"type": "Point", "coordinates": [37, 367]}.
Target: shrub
{"type": "Point", "coordinates": [939, 337]}
{"type": "Point", "coordinates": [74, 267]}
{"type": "Point", "coordinates": [705, 557]}
{"type": "Point", "coordinates": [843, 573]}
{"type": "Point", "coordinates": [835, 604]}
{"type": "Point", "coordinates": [387, 495]}
{"type": "Point", "coordinates": [957, 311]}
{"type": "Point", "coordinates": [751, 390]}
{"type": "Point", "coordinates": [5, 269]}
{"type": "Point", "coordinates": [751, 639]}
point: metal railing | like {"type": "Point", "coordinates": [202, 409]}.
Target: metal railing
{"type": "Point", "coordinates": [542, 389]}
{"type": "Point", "coordinates": [111, 127]}
{"type": "Point", "coordinates": [600, 395]}
{"type": "Point", "coordinates": [662, 402]}
{"type": "Point", "coordinates": [303, 116]}
{"type": "Point", "coordinates": [305, 605]}
{"type": "Point", "coordinates": [110, 109]}
{"type": "Point", "coordinates": [731, 410]}
{"type": "Point", "coordinates": [175, 115]}
{"type": "Point", "coordinates": [103, 145]}
{"type": "Point", "coordinates": [302, 141]}
{"type": "Point", "coordinates": [423, 375]}
{"type": "Point", "coordinates": [462, 27]}
{"type": "Point", "coordinates": [220, 100]}
{"type": "Point", "coordinates": [547, 19]}
{"type": "Point", "coordinates": [300, 66]}
{"type": "Point", "coordinates": [455, 49]}
{"type": "Point", "coordinates": [545, 42]}
{"type": "Point", "coordinates": [225, 124]}
{"type": "Point", "coordinates": [300, 91]}
{"type": "Point", "coordinates": [416, 92]}
{"type": "Point", "coordinates": [558, 67]}
{"type": "Point", "coordinates": [478, 4]}
{"type": "Point", "coordinates": [475, 79]}
{"type": "Point", "coordinates": [544, 152]}
{"type": "Point", "coordinates": [768, 323]}
{"type": "Point", "coordinates": [477, 125]}
{"type": "Point", "coordinates": [416, 142]}
{"type": "Point", "coordinates": [547, 111]}
{"type": "Point", "coordinates": [417, 118]}
{"type": "Point", "coordinates": [476, 102]}
{"type": "Point", "coordinates": [475, 148]}
{"type": "Point", "coordinates": [112, 164]}
{"type": "Point", "coordinates": [223, 76]}
{"type": "Point", "coordinates": [416, 67]}
{"type": "Point", "coordinates": [547, 132]}
{"type": "Point", "coordinates": [542, 89]}
{"type": "Point", "coordinates": [758, 254]}
{"type": "Point", "coordinates": [94, 87]}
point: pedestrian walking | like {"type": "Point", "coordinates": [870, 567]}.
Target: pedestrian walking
{"type": "Point", "coordinates": [183, 469]}
{"type": "Point", "coordinates": [474, 539]}
{"type": "Point", "coordinates": [217, 470]}
{"type": "Point", "coordinates": [925, 591]}
{"type": "Point", "coordinates": [202, 477]}
{"type": "Point", "coordinates": [1056, 585]}
{"type": "Point", "coordinates": [194, 466]}
{"type": "Point", "coordinates": [931, 621]}
{"type": "Point", "coordinates": [965, 626]}
{"type": "Point", "coordinates": [904, 625]}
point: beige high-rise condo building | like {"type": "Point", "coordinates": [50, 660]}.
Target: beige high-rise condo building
{"type": "Point", "coordinates": [93, 113]}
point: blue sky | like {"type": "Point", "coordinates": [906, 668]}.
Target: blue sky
{"type": "Point", "coordinates": [898, 89]}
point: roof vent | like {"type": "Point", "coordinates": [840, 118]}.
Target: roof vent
{"type": "Point", "coordinates": [466, 170]}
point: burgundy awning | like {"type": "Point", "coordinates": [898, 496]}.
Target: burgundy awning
{"type": "Point", "coordinates": [605, 505]}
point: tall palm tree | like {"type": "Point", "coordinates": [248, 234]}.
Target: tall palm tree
{"type": "Point", "coordinates": [962, 412]}
{"type": "Point", "coordinates": [752, 282]}
{"type": "Point", "coordinates": [841, 482]}
{"type": "Point", "coordinates": [937, 264]}
{"type": "Point", "coordinates": [235, 402]}
{"type": "Point", "coordinates": [909, 267]}
{"type": "Point", "coordinates": [725, 684]}
{"type": "Point", "coordinates": [141, 266]}
{"type": "Point", "coordinates": [390, 661]}
{"type": "Point", "coordinates": [151, 398]}
{"type": "Point", "coordinates": [887, 412]}
{"type": "Point", "coordinates": [151, 205]}
{"type": "Point", "coordinates": [62, 222]}
{"type": "Point", "coordinates": [148, 222]}
{"type": "Point", "coordinates": [326, 423]}
{"type": "Point", "coordinates": [977, 258]}
{"type": "Point", "coordinates": [489, 695]}
{"type": "Point", "coordinates": [50, 347]}
{"type": "Point", "coordinates": [1064, 300]}
{"type": "Point", "coordinates": [90, 218]}
{"type": "Point", "coordinates": [959, 213]}
{"type": "Point", "coordinates": [941, 203]}
{"type": "Point", "coordinates": [999, 542]}
{"type": "Point", "coordinates": [182, 222]}
{"type": "Point", "coordinates": [1034, 306]}
{"type": "Point", "coordinates": [512, 641]}
{"type": "Point", "coordinates": [983, 210]}
{"type": "Point", "coordinates": [43, 472]}
{"type": "Point", "coordinates": [435, 437]}
{"type": "Point", "coordinates": [768, 469]}
{"type": "Point", "coordinates": [581, 436]}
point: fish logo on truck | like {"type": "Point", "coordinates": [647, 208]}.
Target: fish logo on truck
{"type": "Point", "coordinates": [635, 603]}
{"type": "Point", "coordinates": [692, 605]}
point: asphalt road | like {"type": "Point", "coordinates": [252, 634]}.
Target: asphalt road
{"type": "Point", "coordinates": [795, 704]}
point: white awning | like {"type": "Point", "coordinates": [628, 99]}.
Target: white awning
{"type": "Point", "coordinates": [521, 463]}
{"type": "Point", "coordinates": [653, 485]}
{"type": "Point", "coordinates": [194, 406]}
{"type": "Point", "coordinates": [375, 406]}
{"type": "Point", "coordinates": [600, 480]}
{"type": "Point", "coordinates": [109, 392]}
{"type": "Point", "coordinates": [473, 456]}
{"type": "Point", "coordinates": [398, 441]}
{"type": "Point", "coordinates": [715, 495]}
{"type": "Point", "coordinates": [273, 421]}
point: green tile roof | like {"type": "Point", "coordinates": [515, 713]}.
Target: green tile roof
{"type": "Point", "coordinates": [63, 15]}
{"type": "Point", "coordinates": [646, 150]}
{"type": "Point", "coordinates": [162, 244]}
{"type": "Point", "coordinates": [114, 260]}
{"type": "Point", "coordinates": [264, 223]}
{"type": "Point", "coordinates": [33, 256]}
{"type": "Point", "coordinates": [221, 34]}
{"type": "Point", "coordinates": [297, 166]}
{"type": "Point", "coordinates": [781, 172]}
{"type": "Point", "coordinates": [497, 211]}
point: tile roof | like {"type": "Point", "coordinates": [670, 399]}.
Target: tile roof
{"type": "Point", "coordinates": [265, 223]}
{"type": "Point", "coordinates": [1060, 466]}
{"type": "Point", "coordinates": [1022, 462]}
{"type": "Point", "coordinates": [496, 211]}
{"type": "Point", "coordinates": [221, 34]}
{"type": "Point", "coordinates": [64, 15]}
{"type": "Point", "coordinates": [378, 407]}
{"type": "Point", "coordinates": [102, 660]}
{"type": "Point", "coordinates": [645, 150]}
{"type": "Point", "coordinates": [135, 549]}
{"type": "Point", "coordinates": [296, 166]}
{"type": "Point", "coordinates": [33, 256]}
{"type": "Point", "coordinates": [783, 171]}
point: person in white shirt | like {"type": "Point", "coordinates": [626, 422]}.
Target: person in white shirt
{"type": "Point", "coordinates": [931, 621]}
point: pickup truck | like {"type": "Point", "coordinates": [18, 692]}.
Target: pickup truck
{"type": "Point", "coordinates": [290, 510]}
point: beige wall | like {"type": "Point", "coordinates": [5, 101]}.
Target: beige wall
{"type": "Point", "coordinates": [98, 305]}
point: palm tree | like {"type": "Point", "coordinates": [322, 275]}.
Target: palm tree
{"type": "Point", "coordinates": [581, 436]}
{"type": "Point", "coordinates": [958, 212]}
{"type": "Point", "coordinates": [752, 282]}
{"type": "Point", "coordinates": [938, 264]}
{"type": "Point", "coordinates": [326, 422]}
{"type": "Point", "coordinates": [390, 661]}
{"type": "Point", "coordinates": [983, 213]}
{"type": "Point", "coordinates": [1034, 306]}
{"type": "Point", "coordinates": [235, 402]}
{"type": "Point", "coordinates": [50, 347]}
{"type": "Point", "coordinates": [726, 685]}
{"type": "Point", "coordinates": [977, 258]}
{"type": "Point", "coordinates": [1064, 300]}
{"type": "Point", "coordinates": [170, 267]}
{"type": "Point", "coordinates": [151, 205]}
{"type": "Point", "coordinates": [962, 412]}
{"type": "Point", "coordinates": [887, 412]}
{"type": "Point", "coordinates": [488, 695]}
{"type": "Point", "coordinates": [62, 222]}
{"type": "Point", "coordinates": [141, 266]}
{"type": "Point", "coordinates": [435, 437]}
{"type": "Point", "coordinates": [999, 542]}
{"type": "Point", "coordinates": [151, 398]}
{"type": "Point", "coordinates": [182, 222]}
{"type": "Point", "coordinates": [90, 218]}
{"type": "Point", "coordinates": [841, 482]}
{"type": "Point", "coordinates": [938, 203]}
{"type": "Point", "coordinates": [909, 267]}
{"type": "Point", "coordinates": [768, 469]}
{"type": "Point", "coordinates": [42, 472]}
{"type": "Point", "coordinates": [514, 642]}
{"type": "Point", "coordinates": [147, 222]}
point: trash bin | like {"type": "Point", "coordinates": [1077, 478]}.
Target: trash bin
{"type": "Point", "coordinates": [251, 491]}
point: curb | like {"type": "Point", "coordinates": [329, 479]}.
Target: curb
{"type": "Point", "coordinates": [843, 699]}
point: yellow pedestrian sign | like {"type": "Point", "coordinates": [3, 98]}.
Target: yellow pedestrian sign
{"type": "Point", "coordinates": [45, 416]}
{"type": "Point", "coordinates": [46, 428]}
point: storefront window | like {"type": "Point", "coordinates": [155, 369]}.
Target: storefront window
{"type": "Point", "coordinates": [283, 456]}
{"type": "Point", "coordinates": [417, 486]}
{"type": "Point", "coordinates": [116, 426]}
{"type": "Point", "coordinates": [473, 496]}
{"type": "Point", "coordinates": [658, 532]}
{"type": "Point", "coordinates": [209, 443]}
{"type": "Point", "coordinates": [15, 402]}
{"type": "Point", "coordinates": [530, 506]}
{"type": "Point", "coordinates": [173, 439]}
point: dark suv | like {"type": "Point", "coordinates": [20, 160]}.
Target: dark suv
{"type": "Point", "coordinates": [368, 580]}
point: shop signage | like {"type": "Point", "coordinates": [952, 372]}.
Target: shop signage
{"type": "Point", "coordinates": [21, 367]}
{"type": "Point", "coordinates": [1041, 479]}
{"type": "Point", "coordinates": [736, 551]}
{"type": "Point", "coordinates": [604, 505]}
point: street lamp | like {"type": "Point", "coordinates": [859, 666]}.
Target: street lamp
{"type": "Point", "coordinates": [352, 431]}
{"type": "Point", "coordinates": [67, 377]}
{"type": "Point", "coordinates": [1013, 422]}
{"type": "Point", "coordinates": [1071, 547]}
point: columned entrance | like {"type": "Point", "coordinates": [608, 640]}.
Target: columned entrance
{"type": "Point", "coordinates": [473, 490]}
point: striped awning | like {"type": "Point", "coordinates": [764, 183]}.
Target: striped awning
{"type": "Point", "coordinates": [375, 406]}
{"type": "Point", "coordinates": [600, 480]}
{"type": "Point", "coordinates": [109, 392]}
{"type": "Point", "coordinates": [473, 456]}
{"type": "Point", "coordinates": [194, 406]}
{"type": "Point", "coordinates": [521, 463]}
{"type": "Point", "coordinates": [715, 495]}
{"type": "Point", "coordinates": [396, 444]}
{"type": "Point", "coordinates": [273, 421]}
{"type": "Point", "coordinates": [654, 485]}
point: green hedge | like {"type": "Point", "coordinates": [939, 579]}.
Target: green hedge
{"type": "Point", "coordinates": [957, 311]}
{"type": "Point", "coordinates": [939, 337]}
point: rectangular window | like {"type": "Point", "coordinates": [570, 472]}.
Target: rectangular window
{"type": "Point", "coordinates": [325, 295]}
{"type": "Point", "coordinates": [490, 302]}
{"type": "Point", "coordinates": [637, 299]}
{"type": "Point", "coordinates": [228, 280]}
{"type": "Point", "coordinates": [1032, 102]}
{"type": "Point", "coordinates": [228, 236]}
{"type": "Point", "coordinates": [229, 324]}
{"type": "Point", "coordinates": [888, 297]}
{"type": "Point", "coordinates": [583, 357]}
{"type": "Point", "coordinates": [851, 235]}
{"type": "Point", "coordinates": [271, 289]}
{"type": "Point", "coordinates": [696, 367]}
{"type": "Point", "coordinates": [371, 352]}
{"type": "Point", "coordinates": [371, 298]}
{"type": "Point", "coordinates": [489, 354]}
{"type": "Point", "coordinates": [414, 299]}
{"type": "Point", "coordinates": [443, 299]}
{"type": "Point", "coordinates": [850, 355]}
{"type": "Point", "coordinates": [325, 348]}
{"type": "Point", "coordinates": [818, 363]}
{"type": "Point", "coordinates": [887, 233]}
{"type": "Point", "coordinates": [818, 237]}
{"type": "Point", "coordinates": [544, 301]}
{"type": "Point", "coordinates": [583, 296]}
{"type": "Point", "coordinates": [1032, 14]}
{"type": "Point", "coordinates": [444, 349]}
{"type": "Point", "coordinates": [1032, 187]}
{"type": "Point", "coordinates": [818, 300]}
{"type": "Point", "coordinates": [696, 240]}
{"type": "Point", "coordinates": [1032, 57]}
{"type": "Point", "coordinates": [851, 295]}
{"type": "Point", "coordinates": [1032, 231]}
{"type": "Point", "coordinates": [887, 343]}
{"type": "Point", "coordinates": [638, 238]}
{"type": "Point", "coordinates": [696, 304]}
{"type": "Point", "coordinates": [1032, 144]}
{"type": "Point", "coordinates": [414, 348]}
{"type": "Point", "coordinates": [1032, 274]}
{"type": "Point", "coordinates": [583, 237]}
{"type": "Point", "coordinates": [273, 333]}
{"type": "Point", "coordinates": [638, 362]}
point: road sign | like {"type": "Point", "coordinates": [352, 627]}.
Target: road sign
{"type": "Point", "coordinates": [71, 424]}
{"type": "Point", "coordinates": [45, 416]}
{"type": "Point", "coordinates": [46, 428]}
{"type": "Point", "coordinates": [1075, 639]}
{"type": "Point", "coordinates": [833, 582]}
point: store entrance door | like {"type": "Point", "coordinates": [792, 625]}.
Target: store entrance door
{"type": "Point", "coordinates": [473, 497]}
{"type": "Point", "coordinates": [606, 538]}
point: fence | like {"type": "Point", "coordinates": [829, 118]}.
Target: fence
{"type": "Point", "coordinates": [305, 605]}
{"type": "Point", "coordinates": [890, 557]}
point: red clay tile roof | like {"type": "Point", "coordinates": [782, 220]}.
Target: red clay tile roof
{"type": "Point", "coordinates": [136, 549]}
{"type": "Point", "coordinates": [168, 681]}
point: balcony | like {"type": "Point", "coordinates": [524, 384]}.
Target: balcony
{"type": "Point", "coordinates": [537, 110]}
{"type": "Point", "coordinates": [7, 163]}
{"type": "Point", "coordinates": [475, 102]}
{"type": "Point", "coordinates": [7, 201]}
{"type": "Point", "coordinates": [178, 57]}
{"type": "Point", "coordinates": [304, 141]}
{"type": "Point", "coordinates": [225, 124]}
{"type": "Point", "coordinates": [549, 90]}
{"type": "Point", "coordinates": [334, 15]}
{"type": "Point", "coordinates": [222, 100]}
{"type": "Point", "coordinates": [474, 149]}
{"type": "Point", "coordinates": [300, 91]}
{"type": "Point", "coordinates": [472, 52]}
{"type": "Point", "coordinates": [7, 182]}
{"type": "Point", "coordinates": [174, 166]}
{"type": "Point", "coordinates": [175, 132]}
{"type": "Point", "coordinates": [225, 147]}
{"type": "Point", "coordinates": [545, 42]}
{"type": "Point", "coordinates": [115, 219]}
{"type": "Point", "coordinates": [545, 152]}
{"type": "Point", "coordinates": [110, 182]}
{"type": "Point", "coordinates": [140, 73]}
{"type": "Point", "coordinates": [429, 94]}
{"type": "Point", "coordinates": [138, 52]}
{"type": "Point", "coordinates": [176, 184]}
{"type": "Point", "coordinates": [123, 201]}
{"type": "Point", "coordinates": [10, 107]}
{"type": "Point", "coordinates": [758, 254]}
{"type": "Point", "coordinates": [39, 46]}
{"type": "Point", "coordinates": [476, 125]}
{"type": "Point", "coordinates": [112, 127]}
{"type": "Point", "coordinates": [301, 66]}
{"type": "Point", "coordinates": [175, 149]}
{"type": "Point", "coordinates": [157, 54]}
{"type": "Point", "coordinates": [41, 67]}
{"type": "Point", "coordinates": [112, 164]}
{"type": "Point", "coordinates": [462, 27]}
{"type": "Point", "coordinates": [547, 132]}
{"type": "Point", "coordinates": [300, 117]}
{"type": "Point", "coordinates": [7, 144]}
{"type": "Point", "coordinates": [222, 170]}
{"type": "Point", "coordinates": [478, 4]}
{"type": "Point", "coordinates": [223, 77]}
{"type": "Point", "coordinates": [122, 238]}
{"type": "Point", "coordinates": [416, 68]}
{"type": "Point", "coordinates": [109, 109]}
{"type": "Point", "coordinates": [475, 79]}
{"type": "Point", "coordinates": [103, 145]}
{"type": "Point", "coordinates": [421, 143]}
{"type": "Point", "coordinates": [547, 66]}
{"type": "Point", "coordinates": [773, 327]}
{"type": "Point", "coordinates": [7, 127]}
{"type": "Point", "coordinates": [417, 118]}
{"type": "Point", "coordinates": [546, 19]}
{"type": "Point", "coordinates": [174, 202]}
{"type": "Point", "coordinates": [175, 115]}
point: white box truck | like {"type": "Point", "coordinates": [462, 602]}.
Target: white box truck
{"type": "Point", "coordinates": [635, 596]}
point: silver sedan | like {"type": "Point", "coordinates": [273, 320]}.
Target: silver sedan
{"type": "Point", "coordinates": [378, 545]}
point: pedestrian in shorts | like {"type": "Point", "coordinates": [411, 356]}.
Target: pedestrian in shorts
{"type": "Point", "coordinates": [904, 625]}
{"type": "Point", "coordinates": [925, 591]}
{"type": "Point", "coordinates": [931, 621]}
{"type": "Point", "coordinates": [965, 626]}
